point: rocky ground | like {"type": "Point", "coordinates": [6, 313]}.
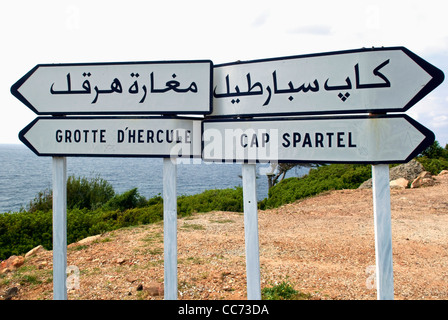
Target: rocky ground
{"type": "Point", "coordinates": [324, 246]}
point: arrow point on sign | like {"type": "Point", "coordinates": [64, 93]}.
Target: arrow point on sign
{"type": "Point", "coordinates": [22, 136]}
{"type": "Point", "coordinates": [35, 88]}
{"type": "Point", "coordinates": [16, 86]}
{"type": "Point", "coordinates": [437, 77]}
{"type": "Point", "coordinates": [428, 140]}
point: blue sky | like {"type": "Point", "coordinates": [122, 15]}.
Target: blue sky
{"type": "Point", "coordinates": [59, 31]}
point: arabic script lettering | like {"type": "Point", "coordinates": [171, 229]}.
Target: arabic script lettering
{"type": "Point", "coordinates": [342, 89]}
{"type": "Point", "coordinates": [116, 87]}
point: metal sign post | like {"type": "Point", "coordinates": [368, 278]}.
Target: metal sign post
{"type": "Point", "coordinates": [59, 228]}
{"type": "Point", "coordinates": [251, 231]}
{"type": "Point", "coordinates": [170, 227]}
{"type": "Point", "coordinates": [383, 232]}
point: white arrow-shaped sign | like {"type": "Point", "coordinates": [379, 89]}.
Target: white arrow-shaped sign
{"type": "Point", "coordinates": [167, 87]}
{"type": "Point", "coordinates": [159, 137]}
{"type": "Point", "coordinates": [366, 80]}
{"type": "Point", "coordinates": [355, 139]}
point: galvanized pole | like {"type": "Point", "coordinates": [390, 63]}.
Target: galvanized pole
{"type": "Point", "coordinates": [170, 227]}
{"type": "Point", "coordinates": [383, 232]}
{"type": "Point", "coordinates": [59, 228]}
{"type": "Point", "coordinates": [251, 232]}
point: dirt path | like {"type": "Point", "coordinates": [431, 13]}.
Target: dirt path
{"type": "Point", "coordinates": [323, 245]}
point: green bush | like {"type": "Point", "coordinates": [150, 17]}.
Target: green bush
{"type": "Point", "coordinates": [127, 200]}
{"type": "Point", "coordinates": [323, 178]}
{"type": "Point", "coordinates": [43, 201]}
{"type": "Point", "coordinates": [283, 291]}
{"type": "Point", "coordinates": [435, 158]}
{"type": "Point", "coordinates": [22, 231]}
{"type": "Point", "coordinates": [88, 193]}
{"type": "Point", "coordinates": [138, 216]}
{"type": "Point", "coordinates": [79, 222]}
{"type": "Point", "coordinates": [433, 165]}
{"type": "Point", "coordinates": [218, 199]}
{"type": "Point", "coordinates": [435, 151]}
{"type": "Point", "coordinates": [81, 193]}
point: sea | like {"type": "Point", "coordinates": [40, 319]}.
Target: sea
{"type": "Point", "coordinates": [23, 175]}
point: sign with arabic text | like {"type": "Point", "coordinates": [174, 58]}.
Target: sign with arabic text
{"type": "Point", "coordinates": [348, 139]}
{"type": "Point", "coordinates": [167, 87]}
{"type": "Point", "coordinates": [374, 80]}
{"type": "Point", "coordinates": [159, 137]}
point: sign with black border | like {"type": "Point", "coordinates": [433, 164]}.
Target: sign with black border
{"type": "Point", "coordinates": [155, 87]}
{"type": "Point", "coordinates": [154, 137]}
{"type": "Point", "coordinates": [376, 80]}
{"type": "Point", "coordinates": [330, 139]}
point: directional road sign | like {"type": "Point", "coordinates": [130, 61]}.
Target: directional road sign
{"type": "Point", "coordinates": [374, 80]}
{"type": "Point", "coordinates": [348, 139]}
{"type": "Point", "coordinates": [160, 137]}
{"type": "Point", "coordinates": [167, 87]}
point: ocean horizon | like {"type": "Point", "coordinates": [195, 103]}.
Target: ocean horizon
{"type": "Point", "coordinates": [23, 175]}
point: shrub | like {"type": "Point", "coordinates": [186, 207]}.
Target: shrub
{"type": "Point", "coordinates": [323, 178]}
{"type": "Point", "coordinates": [218, 199]}
{"type": "Point", "coordinates": [127, 200]}
{"type": "Point", "coordinates": [435, 151]}
{"type": "Point", "coordinates": [138, 216]}
{"type": "Point", "coordinates": [88, 193]}
{"type": "Point", "coordinates": [283, 291]}
{"type": "Point", "coordinates": [79, 222]}
{"type": "Point", "coordinates": [435, 158]}
{"type": "Point", "coordinates": [81, 193]}
{"type": "Point", "coordinates": [22, 231]}
{"type": "Point", "coordinates": [43, 201]}
{"type": "Point", "coordinates": [433, 165]}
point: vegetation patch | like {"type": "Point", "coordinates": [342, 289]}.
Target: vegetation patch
{"type": "Point", "coordinates": [283, 291]}
{"type": "Point", "coordinates": [191, 226]}
{"type": "Point", "coordinates": [94, 208]}
{"type": "Point", "coordinates": [222, 221]}
{"type": "Point", "coordinates": [320, 179]}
